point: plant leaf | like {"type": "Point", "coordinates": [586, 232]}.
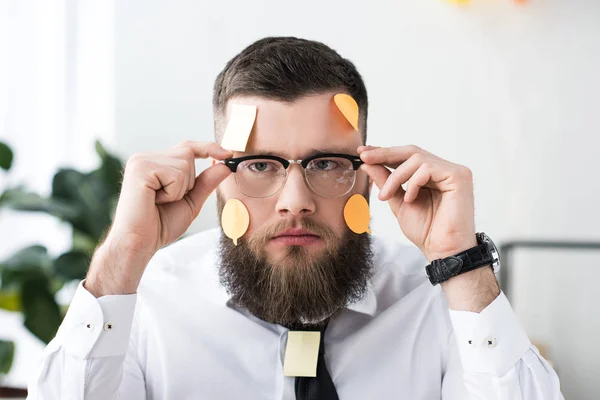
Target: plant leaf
{"type": "Point", "coordinates": [72, 265]}
{"type": "Point", "coordinates": [10, 300]}
{"type": "Point", "coordinates": [20, 199]}
{"type": "Point", "coordinates": [42, 314]}
{"type": "Point", "coordinates": [27, 263]}
{"type": "Point", "coordinates": [7, 355]}
{"type": "Point", "coordinates": [6, 156]}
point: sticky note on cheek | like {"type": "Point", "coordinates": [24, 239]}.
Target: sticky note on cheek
{"type": "Point", "coordinates": [235, 219]}
{"type": "Point", "coordinates": [239, 127]}
{"type": "Point", "coordinates": [348, 107]}
{"type": "Point", "coordinates": [357, 214]}
{"type": "Point", "coordinates": [301, 354]}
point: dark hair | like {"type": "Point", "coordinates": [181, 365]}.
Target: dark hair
{"type": "Point", "coordinates": [285, 69]}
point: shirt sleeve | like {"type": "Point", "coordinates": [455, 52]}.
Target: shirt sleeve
{"type": "Point", "coordinates": [94, 349]}
{"type": "Point", "coordinates": [496, 359]}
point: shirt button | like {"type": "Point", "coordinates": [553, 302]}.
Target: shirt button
{"type": "Point", "coordinates": [108, 326]}
{"type": "Point", "coordinates": [491, 343]}
{"type": "Point", "coordinates": [89, 326]}
{"type": "Point", "coordinates": [471, 343]}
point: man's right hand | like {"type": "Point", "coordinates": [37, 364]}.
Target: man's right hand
{"type": "Point", "coordinates": [160, 198]}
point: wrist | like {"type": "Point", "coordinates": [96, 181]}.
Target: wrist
{"type": "Point", "coordinates": [114, 270]}
{"type": "Point", "coordinates": [472, 291]}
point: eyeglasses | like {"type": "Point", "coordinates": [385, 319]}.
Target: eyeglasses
{"type": "Point", "coordinates": [328, 175]}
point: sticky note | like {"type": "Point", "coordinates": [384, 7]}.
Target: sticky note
{"type": "Point", "coordinates": [235, 219]}
{"type": "Point", "coordinates": [301, 354]}
{"type": "Point", "coordinates": [347, 105]}
{"type": "Point", "coordinates": [239, 127]}
{"type": "Point", "coordinates": [357, 214]}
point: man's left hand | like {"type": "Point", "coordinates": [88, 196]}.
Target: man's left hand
{"type": "Point", "coordinates": [436, 212]}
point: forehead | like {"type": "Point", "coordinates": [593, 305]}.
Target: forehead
{"type": "Point", "coordinates": [295, 129]}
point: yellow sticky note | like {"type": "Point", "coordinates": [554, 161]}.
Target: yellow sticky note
{"type": "Point", "coordinates": [347, 105]}
{"type": "Point", "coordinates": [239, 127]}
{"type": "Point", "coordinates": [301, 354]}
{"type": "Point", "coordinates": [235, 219]}
{"type": "Point", "coordinates": [357, 214]}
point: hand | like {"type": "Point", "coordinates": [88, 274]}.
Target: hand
{"type": "Point", "coordinates": [436, 212]}
{"type": "Point", "coordinates": [160, 198]}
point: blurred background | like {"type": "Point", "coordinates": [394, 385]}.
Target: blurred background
{"type": "Point", "coordinates": [510, 90]}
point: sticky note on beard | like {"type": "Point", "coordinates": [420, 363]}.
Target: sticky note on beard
{"type": "Point", "coordinates": [239, 127]}
{"type": "Point", "coordinates": [301, 353]}
{"type": "Point", "coordinates": [357, 214]}
{"type": "Point", "coordinates": [235, 219]}
{"type": "Point", "coordinates": [348, 107]}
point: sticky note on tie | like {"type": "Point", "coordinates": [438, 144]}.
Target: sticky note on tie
{"type": "Point", "coordinates": [347, 105]}
{"type": "Point", "coordinates": [357, 214]}
{"type": "Point", "coordinates": [239, 127]}
{"type": "Point", "coordinates": [301, 354]}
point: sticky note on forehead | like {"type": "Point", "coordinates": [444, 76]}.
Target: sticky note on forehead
{"type": "Point", "coordinates": [349, 108]}
{"type": "Point", "coordinates": [239, 127]}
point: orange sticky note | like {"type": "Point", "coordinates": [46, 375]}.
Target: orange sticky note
{"type": "Point", "coordinates": [239, 127]}
{"type": "Point", "coordinates": [347, 105]}
{"type": "Point", "coordinates": [235, 219]}
{"type": "Point", "coordinates": [357, 214]}
{"type": "Point", "coordinates": [301, 354]}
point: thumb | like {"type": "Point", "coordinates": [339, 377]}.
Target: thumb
{"type": "Point", "coordinates": [205, 184]}
{"type": "Point", "coordinates": [379, 175]}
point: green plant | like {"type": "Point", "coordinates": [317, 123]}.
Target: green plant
{"type": "Point", "coordinates": [30, 278]}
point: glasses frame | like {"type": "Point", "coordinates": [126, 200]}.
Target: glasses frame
{"type": "Point", "coordinates": [233, 163]}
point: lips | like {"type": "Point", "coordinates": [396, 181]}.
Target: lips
{"type": "Point", "coordinates": [296, 237]}
{"type": "Point", "coordinates": [296, 232]}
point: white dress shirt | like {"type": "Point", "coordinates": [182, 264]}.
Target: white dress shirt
{"type": "Point", "coordinates": [181, 338]}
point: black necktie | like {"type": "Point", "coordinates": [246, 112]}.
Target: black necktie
{"type": "Point", "coordinates": [321, 387]}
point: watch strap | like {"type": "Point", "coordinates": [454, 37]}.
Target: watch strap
{"type": "Point", "coordinates": [443, 269]}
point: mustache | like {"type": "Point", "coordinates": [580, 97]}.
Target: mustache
{"type": "Point", "coordinates": [259, 238]}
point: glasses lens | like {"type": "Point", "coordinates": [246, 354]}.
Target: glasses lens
{"type": "Point", "coordinates": [330, 176]}
{"type": "Point", "coordinates": [259, 177]}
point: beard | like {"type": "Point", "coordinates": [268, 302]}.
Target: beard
{"type": "Point", "coordinates": [300, 288]}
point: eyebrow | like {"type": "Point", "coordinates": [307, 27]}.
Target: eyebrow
{"type": "Point", "coordinates": [312, 153]}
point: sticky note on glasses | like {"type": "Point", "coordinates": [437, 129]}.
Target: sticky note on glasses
{"type": "Point", "coordinates": [239, 127]}
{"type": "Point", "coordinates": [347, 105]}
{"type": "Point", "coordinates": [301, 354]}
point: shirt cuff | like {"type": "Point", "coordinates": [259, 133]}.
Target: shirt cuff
{"type": "Point", "coordinates": [97, 327]}
{"type": "Point", "coordinates": [492, 341]}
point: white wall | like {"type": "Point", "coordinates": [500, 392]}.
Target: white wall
{"type": "Point", "coordinates": [511, 91]}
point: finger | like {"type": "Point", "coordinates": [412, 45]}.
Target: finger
{"type": "Point", "coordinates": [207, 149]}
{"type": "Point", "coordinates": [185, 153]}
{"type": "Point", "coordinates": [379, 174]}
{"type": "Point", "coordinates": [204, 185]}
{"type": "Point", "coordinates": [185, 166]}
{"type": "Point", "coordinates": [172, 183]}
{"type": "Point", "coordinates": [400, 176]}
{"type": "Point", "coordinates": [362, 149]}
{"type": "Point", "coordinates": [420, 178]}
{"type": "Point", "coordinates": [390, 156]}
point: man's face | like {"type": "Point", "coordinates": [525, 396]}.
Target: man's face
{"type": "Point", "coordinates": [301, 266]}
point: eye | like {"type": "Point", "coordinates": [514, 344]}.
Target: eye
{"type": "Point", "coordinates": [324, 164]}
{"type": "Point", "coordinates": [262, 166]}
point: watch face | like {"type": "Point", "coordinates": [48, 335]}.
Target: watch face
{"type": "Point", "coordinates": [493, 249]}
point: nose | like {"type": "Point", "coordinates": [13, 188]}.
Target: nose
{"type": "Point", "coordinates": [295, 197]}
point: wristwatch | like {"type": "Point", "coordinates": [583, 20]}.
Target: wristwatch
{"type": "Point", "coordinates": [484, 254]}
